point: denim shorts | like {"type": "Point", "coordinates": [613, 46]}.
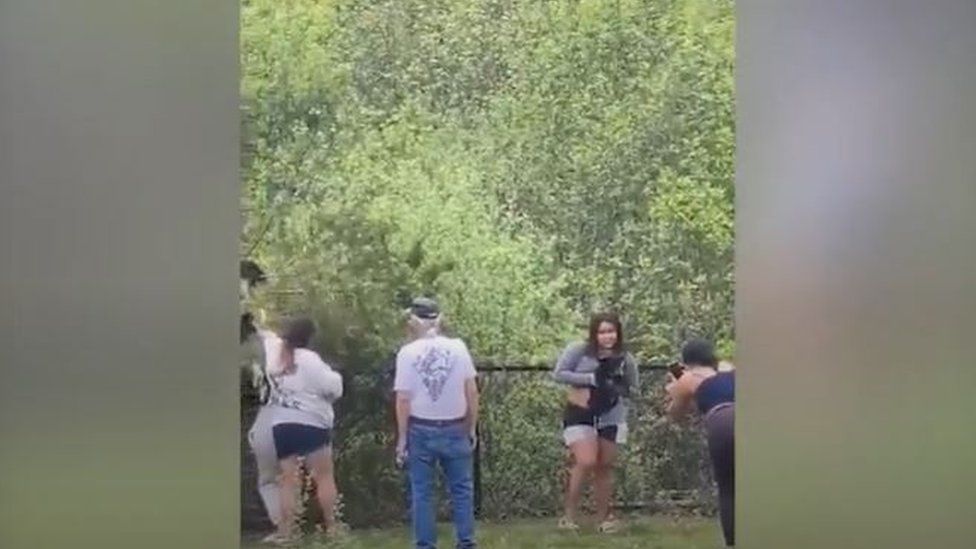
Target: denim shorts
{"type": "Point", "coordinates": [612, 433]}
{"type": "Point", "coordinates": [580, 423]}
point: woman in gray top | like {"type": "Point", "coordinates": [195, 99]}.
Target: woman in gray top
{"type": "Point", "coordinates": [303, 388]}
{"type": "Point", "coordinates": [601, 375]}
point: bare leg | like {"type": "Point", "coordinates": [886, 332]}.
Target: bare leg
{"type": "Point", "coordinates": [603, 478]}
{"type": "Point", "coordinates": [322, 468]}
{"type": "Point", "coordinates": [584, 460]}
{"type": "Point", "coordinates": [289, 484]}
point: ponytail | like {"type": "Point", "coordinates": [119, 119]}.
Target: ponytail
{"type": "Point", "coordinates": [298, 334]}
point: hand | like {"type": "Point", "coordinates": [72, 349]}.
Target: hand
{"type": "Point", "coordinates": [401, 453]}
{"type": "Point", "coordinates": [473, 439]}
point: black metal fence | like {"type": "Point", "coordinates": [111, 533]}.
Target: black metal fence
{"type": "Point", "coordinates": [520, 460]}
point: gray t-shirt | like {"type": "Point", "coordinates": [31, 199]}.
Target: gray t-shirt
{"type": "Point", "coordinates": [306, 395]}
{"type": "Point", "coordinates": [578, 368]}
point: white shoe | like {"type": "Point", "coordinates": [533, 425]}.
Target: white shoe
{"type": "Point", "coordinates": [280, 540]}
{"type": "Point", "coordinates": [565, 523]}
{"type": "Point", "coordinates": [609, 526]}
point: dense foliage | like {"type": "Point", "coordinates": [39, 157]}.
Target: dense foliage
{"type": "Point", "coordinates": [526, 162]}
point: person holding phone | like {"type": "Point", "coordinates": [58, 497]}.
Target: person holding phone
{"type": "Point", "coordinates": [600, 375]}
{"type": "Point", "coordinates": [697, 383]}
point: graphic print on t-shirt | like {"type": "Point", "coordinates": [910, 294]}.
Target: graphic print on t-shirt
{"type": "Point", "coordinates": [433, 367]}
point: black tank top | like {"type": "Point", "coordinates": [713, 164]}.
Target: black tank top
{"type": "Point", "coordinates": [715, 390]}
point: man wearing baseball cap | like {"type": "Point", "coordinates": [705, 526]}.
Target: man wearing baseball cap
{"type": "Point", "coordinates": [436, 410]}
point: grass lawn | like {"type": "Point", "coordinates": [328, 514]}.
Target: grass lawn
{"type": "Point", "coordinates": [638, 532]}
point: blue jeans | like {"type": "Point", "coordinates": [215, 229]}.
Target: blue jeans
{"type": "Point", "coordinates": [450, 446]}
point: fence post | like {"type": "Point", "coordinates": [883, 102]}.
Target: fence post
{"type": "Point", "coordinates": [477, 458]}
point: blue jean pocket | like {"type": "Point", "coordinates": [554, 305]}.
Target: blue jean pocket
{"type": "Point", "coordinates": [459, 445]}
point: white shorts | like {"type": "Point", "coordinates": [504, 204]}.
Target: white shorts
{"type": "Point", "coordinates": [614, 433]}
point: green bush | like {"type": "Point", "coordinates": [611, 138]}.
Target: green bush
{"type": "Point", "coordinates": [525, 162]}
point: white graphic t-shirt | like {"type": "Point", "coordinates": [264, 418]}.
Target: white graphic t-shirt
{"type": "Point", "coordinates": [433, 370]}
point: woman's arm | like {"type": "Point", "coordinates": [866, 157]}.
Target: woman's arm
{"type": "Point", "coordinates": [272, 345]}
{"type": "Point", "coordinates": [332, 385]}
{"type": "Point", "coordinates": [565, 370]}
{"type": "Point", "coordinates": [328, 380]}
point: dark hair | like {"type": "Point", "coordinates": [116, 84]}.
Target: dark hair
{"type": "Point", "coordinates": [699, 352]}
{"type": "Point", "coordinates": [252, 273]}
{"type": "Point", "coordinates": [592, 346]}
{"type": "Point", "coordinates": [297, 335]}
{"type": "Point", "coordinates": [247, 327]}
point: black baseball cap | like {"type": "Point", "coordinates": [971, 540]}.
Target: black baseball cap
{"type": "Point", "coordinates": [424, 307]}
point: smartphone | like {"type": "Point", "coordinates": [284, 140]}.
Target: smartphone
{"type": "Point", "coordinates": [676, 369]}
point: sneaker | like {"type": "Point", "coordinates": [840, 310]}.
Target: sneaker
{"type": "Point", "coordinates": [567, 524]}
{"type": "Point", "coordinates": [609, 526]}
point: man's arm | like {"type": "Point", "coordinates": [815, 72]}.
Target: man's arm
{"type": "Point", "coordinates": [402, 416]}
{"type": "Point", "coordinates": [472, 397]}
{"type": "Point", "coordinates": [470, 387]}
{"type": "Point", "coordinates": [402, 389]}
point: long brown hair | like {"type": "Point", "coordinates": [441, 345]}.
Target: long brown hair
{"type": "Point", "coordinates": [297, 335]}
{"type": "Point", "coordinates": [592, 345]}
